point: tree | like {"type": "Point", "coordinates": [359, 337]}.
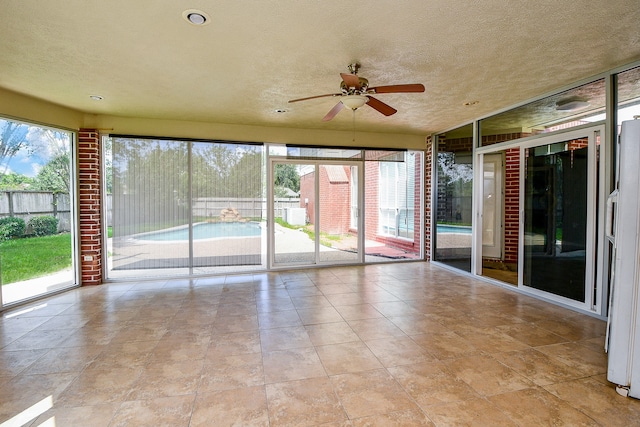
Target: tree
{"type": "Point", "coordinates": [14, 181]}
{"type": "Point", "coordinates": [108, 169]}
{"type": "Point", "coordinates": [12, 139]}
{"type": "Point", "coordinates": [227, 170]}
{"type": "Point", "coordinates": [455, 174]}
{"type": "Point", "coordinates": [54, 176]}
{"type": "Point", "coordinates": [286, 175]}
{"type": "Point", "coordinates": [55, 146]}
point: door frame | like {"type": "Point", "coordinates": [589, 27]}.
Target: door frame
{"type": "Point", "coordinates": [498, 221]}
{"type": "Point", "coordinates": [272, 264]}
{"type": "Point", "coordinates": [597, 191]}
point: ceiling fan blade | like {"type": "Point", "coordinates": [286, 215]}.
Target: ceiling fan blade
{"type": "Point", "coordinates": [351, 80]}
{"type": "Point", "coordinates": [332, 113]}
{"type": "Point", "coordinates": [418, 87]}
{"type": "Point", "coordinates": [314, 97]}
{"type": "Point", "coordinates": [385, 109]}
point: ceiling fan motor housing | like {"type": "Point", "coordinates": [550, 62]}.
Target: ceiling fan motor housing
{"type": "Point", "coordinates": [347, 90]}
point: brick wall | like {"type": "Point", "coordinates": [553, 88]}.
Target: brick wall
{"type": "Point", "coordinates": [335, 211]}
{"type": "Point", "coordinates": [511, 204]}
{"type": "Point", "coordinates": [89, 195]}
{"type": "Point", "coordinates": [335, 208]}
{"type": "Point", "coordinates": [335, 197]}
{"type": "Point", "coordinates": [428, 165]}
{"type": "Point", "coordinates": [511, 194]}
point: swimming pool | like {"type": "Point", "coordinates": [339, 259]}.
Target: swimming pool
{"type": "Point", "coordinates": [205, 230]}
{"type": "Point", "coordinates": [456, 229]}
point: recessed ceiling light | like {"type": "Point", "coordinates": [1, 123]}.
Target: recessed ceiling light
{"type": "Point", "coordinates": [96, 97]}
{"type": "Point", "coordinates": [196, 17]}
{"type": "Point", "coordinates": [468, 103]}
{"type": "Point", "coordinates": [281, 110]}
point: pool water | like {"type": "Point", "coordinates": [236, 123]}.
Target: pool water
{"type": "Point", "coordinates": [205, 230]}
{"type": "Point", "coordinates": [458, 229]}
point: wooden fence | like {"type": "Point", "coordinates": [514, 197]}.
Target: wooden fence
{"type": "Point", "coordinates": [247, 207]}
{"type": "Point", "coordinates": [27, 204]}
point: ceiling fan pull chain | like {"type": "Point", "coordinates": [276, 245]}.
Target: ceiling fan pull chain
{"type": "Point", "coordinates": [354, 125]}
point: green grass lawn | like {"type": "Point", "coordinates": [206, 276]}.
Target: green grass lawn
{"type": "Point", "coordinates": [28, 258]}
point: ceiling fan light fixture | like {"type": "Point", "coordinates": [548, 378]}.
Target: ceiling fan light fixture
{"type": "Point", "coordinates": [572, 105]}
{"type": "Point", "coordinates": [353, 102]}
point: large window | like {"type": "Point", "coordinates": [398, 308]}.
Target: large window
{"type": "Point", "coordinates": [199, 207]}
{"type": "Point", "coordinates": [387, 203]}
{"type": "Point", "coordinates": [574, 107]}
{"type": "Point", "coordinates": [628, 95]}
{"type": "Point", "coordinates": [354, 199]}
{"type": "Point", "coordinates": [454, 189]}
{"type": "Point", "coordinates": [396, 198]}
{"type": "Point", "coordinates": [36, 211]}
{"type": "Point", "coordinates": [185, 207]}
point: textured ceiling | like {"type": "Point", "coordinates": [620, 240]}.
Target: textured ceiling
{"type": "Point", "coordinates": [255, 55]}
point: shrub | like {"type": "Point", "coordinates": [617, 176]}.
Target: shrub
{"type": "Point", "coordinates": [11, 227]}
{"type": "Point", "coordinates": [43, 225]}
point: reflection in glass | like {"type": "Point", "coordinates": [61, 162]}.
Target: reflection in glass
{"type": "Point", "coordinates": [454, 197]}
{"type": "Point", "coordinates": [555, 221]}
{"type": "Point", "coordinates": [501, 215]}
{"type": "Point", "coordinates": [574, 107]}
{"type": "Point", "coordinates": [628, 95]}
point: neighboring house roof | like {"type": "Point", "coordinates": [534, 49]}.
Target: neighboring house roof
{"type": "Point", "coordinates": [336, 174]}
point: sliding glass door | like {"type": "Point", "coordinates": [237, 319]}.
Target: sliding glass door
{"type": "Point", "coordinates": [541, 228]}
{"type": "Point", "coordinates": [559, 212]}
{"type": "Point", "coordinates": [321, 226]}
{"type": "Point", "coordinates": [183, 207]}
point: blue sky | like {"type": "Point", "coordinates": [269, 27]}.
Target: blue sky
{"type": "Point", "coordinates": [25, 164]}
{"type": "Point", "coordinates": [41, 145]}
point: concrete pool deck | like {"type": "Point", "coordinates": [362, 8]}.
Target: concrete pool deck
{"type": "Point", "coordinates": [291, 245]}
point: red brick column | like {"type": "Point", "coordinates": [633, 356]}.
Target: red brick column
{"type": "Point", "coordinates": [89, 195]}
{"type": "Point", "coordinates": [428, 165]}
{"type": "Point", "coordinates": [511, 205]}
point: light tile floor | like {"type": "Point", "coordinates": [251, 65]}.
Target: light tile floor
{"type": "Point", "coordinates": [382, 345]}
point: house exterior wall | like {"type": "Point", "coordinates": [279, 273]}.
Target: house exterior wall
{"type": "Point", "coordinates": [335, 198]}
{"type": "Point", "coordinates": [511, 194]}
{"type": "Point", "coordinates": [335, 203]}
{"type": "Point", "coordinates": [307, 199]}
{"type": "Point", "coordinates": [335, 207]}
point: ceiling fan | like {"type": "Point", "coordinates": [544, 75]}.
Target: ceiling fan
{"type": "Point", "coordinates": [355, 92]}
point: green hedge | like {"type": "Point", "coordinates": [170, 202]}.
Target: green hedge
{"type": "Point", "coordinates": [11, 228]}
{"type": "Point", "coordinates": [43, 225]}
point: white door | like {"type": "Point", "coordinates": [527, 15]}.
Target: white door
{"type": "Point", "coordinates": [492, 206]}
